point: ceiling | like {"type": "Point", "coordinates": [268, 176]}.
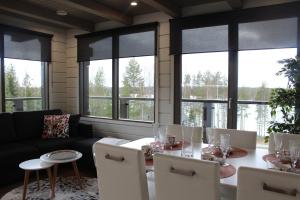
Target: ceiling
{"type": "Point", "coordinates": [84, 14]}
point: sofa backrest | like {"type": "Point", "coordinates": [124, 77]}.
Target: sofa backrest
{"type": "Point", "coordinates": [30, 124]}
{"type": "Point", "coordinates": [7, 132]}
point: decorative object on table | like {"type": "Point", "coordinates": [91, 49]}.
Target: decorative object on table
{"type": "Point", "coordinates": [148, 152]}
{"type": "Point", "coordinates": [286, 100]}
{"type": "Point", "coordinates": [233, 152]}
{"type": "Point", "coordinates": [36, 165]}
{"type": "Point", "coordinates": [65, 190]}
{"type": "Point", "coordinates": [171, 140]}
{"type": "Point", "coordinates": [63, 156]}
{"type": "Point", "coordinates": [275, 163]}
{"type": "Point", "coordinates": [56, 126]}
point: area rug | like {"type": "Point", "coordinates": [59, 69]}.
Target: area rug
{"type": "Point", "coordinates": [66, 188]}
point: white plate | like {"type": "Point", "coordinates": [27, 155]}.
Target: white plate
{"type": "Point", "coordinates": [62, 155]}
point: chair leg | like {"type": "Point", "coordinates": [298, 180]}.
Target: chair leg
{"type": "Point", "coordinates": [77, 175]}
{"type": "Point", "coordinates": [51, 183]}
{"type": "Point", "coordinates": [26, 180]}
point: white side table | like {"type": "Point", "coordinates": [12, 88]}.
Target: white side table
{"type": "Point", "coordinates": [60, 157]}
{"type": "Point", "coordinates": [35, 165]}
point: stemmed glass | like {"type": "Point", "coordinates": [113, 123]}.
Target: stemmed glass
{"type": "Point", "coordinates": [210, 136]}
{"type": "Point", "coordinates": [294, 153]}
{"type": "Point", "coordinates": [159, 134]}
{"type": "Point", "coordinates": [278, 141]}
{"type": "Point", "coordinates": [224, 144]}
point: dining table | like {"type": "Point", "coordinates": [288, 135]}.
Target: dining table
{"type": "Point", "coordinates": [253, 158]}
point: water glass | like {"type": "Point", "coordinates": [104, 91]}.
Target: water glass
{"type": "Point", "coordinates": [187, 131]}
{"type": "Point", "coordinates": [294, 150]}
{"type": "Point", "coordinates": [210, 136]}
{"type": "Point", "coordinates": [159, 134]}
{"type": "Point", "coordinates": [224, 144]}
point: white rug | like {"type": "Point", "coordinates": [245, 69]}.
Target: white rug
{"type": "Point", "coordinates": [66, 189]}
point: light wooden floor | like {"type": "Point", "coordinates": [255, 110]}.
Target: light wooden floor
{"type": "Point", "coordinates": [63, 170]}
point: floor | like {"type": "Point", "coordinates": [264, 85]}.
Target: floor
{"type": "Point", "coordinates": [63, 170]}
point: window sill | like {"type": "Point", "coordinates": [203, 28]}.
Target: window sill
{"type": "Point", "coordinates": [117, 122]}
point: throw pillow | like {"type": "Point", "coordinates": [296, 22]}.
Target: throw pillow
{"type": "Point", "coordinates": [56, 126]}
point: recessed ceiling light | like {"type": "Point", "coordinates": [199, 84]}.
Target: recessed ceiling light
{"type": "Point", "coordinates": [61, 12]}
{"type": "Point", "coordinates": [134, 3]}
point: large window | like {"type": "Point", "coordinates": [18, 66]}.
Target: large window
{"type": "Point", "coordinates": [25, 59]}
{"type": "Point", "coordinates": [117, 73]}
{"type": "Point", "coordinates": [225, 68]}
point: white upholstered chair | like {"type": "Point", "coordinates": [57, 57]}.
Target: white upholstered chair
{"type": "Point", "coordinates": [176, 130]}
{"type": "Point", "coordinates": [121, 173]}
{"type": "Point", "coordinates": [285, 141]}
{"type": "Point", "coordinates": [238, 138]}
{"type": "Point", "coordinates": [179, 178]}
{"type": "Point", "coordinates": [262, 184]}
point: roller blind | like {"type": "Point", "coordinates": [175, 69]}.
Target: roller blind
{"type": "Point", "coordinates": [207, 39]}
{"type": "Point", "coordinates": [280, 33]}
{"type": "Point", "coordinates": [137, 44]}
{"type": "Point", "coordinates": [27, 46]}
{"type": "Point", "coordinates": [94, 48]}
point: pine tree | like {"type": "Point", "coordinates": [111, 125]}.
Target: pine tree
{"type": "Point", "coordinates": [133, 81]}
{"type": "Point", "coordinates": [27, 91]}
{"type": "Point", "coordinates": [11, 82]}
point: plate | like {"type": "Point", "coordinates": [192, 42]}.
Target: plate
{"type": "Point", "coordinates": [62, 155]}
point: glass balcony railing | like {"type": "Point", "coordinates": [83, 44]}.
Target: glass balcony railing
{"type": "Point", "coordinates": [19, 104]}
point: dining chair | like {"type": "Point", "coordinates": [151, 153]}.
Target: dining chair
{"type": "Point", "coordinates": [176, 130]}
{"type": "Point", "coordinates": [261, 184]}
{"type": "Point", "coordinates": [121, 173]}
{"type": "Point", "coordinates": [238, 138]}
{"type": "Point", "coordinates": [285, 141]}
{"type": "Point", "coordinates": [179, 178]}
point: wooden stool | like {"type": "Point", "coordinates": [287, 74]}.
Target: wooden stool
{"type": "Point", "coordinates": [36, 165]}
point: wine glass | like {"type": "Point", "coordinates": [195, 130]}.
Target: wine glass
{"type": "Point", "coordinates": [278, 141]}
{"type": "Point", "coordinates": [224, 144]}
{"type": "Point", "coordinates": [294, 153]}
{"type": "Point", "coordinates": [210, 136]}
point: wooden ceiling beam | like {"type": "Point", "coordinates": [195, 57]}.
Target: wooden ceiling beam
{"type": "Point", "coordinates": [164, 6]}
{"type": "Point", "coordinates": [235, 4]}
{"type": "Point", "coordinates": [44, 15]}
{"type": "Point", "coordinates": [98, 9]}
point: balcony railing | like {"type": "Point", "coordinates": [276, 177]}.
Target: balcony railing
{"type": "Point", "coordinates": [125, 103]}
{"type": "Point", "coordinates": [19, 104]}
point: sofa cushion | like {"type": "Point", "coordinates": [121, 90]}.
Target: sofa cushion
{"type": "Point", "coordinates": [56, 126]}
{"type": "Point", "coordinates": [14, 153]}
{"type": "Point", "coordinates": [30, 124]}
{"type": "Point", "coordinates": [7, 133]}
{"type": "Point", "coordinates": [52, 144]}
{"type": "Point", "coordinates": [74, 125]}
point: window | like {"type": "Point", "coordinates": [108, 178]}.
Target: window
{"type": "Point", "coordinates": [226, 65]}
{"type": "Point", "coordinates": [25, 70]}
{"type": "Point", "coordinates": [117, 73]}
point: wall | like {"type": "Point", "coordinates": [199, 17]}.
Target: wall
{"type": "Point", "coordinates": [57, 70]}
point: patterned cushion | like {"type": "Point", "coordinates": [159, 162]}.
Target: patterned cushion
{"type": "Point", "coordinates": [56, 126]}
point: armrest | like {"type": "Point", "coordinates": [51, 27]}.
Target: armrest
{"type": "Point", "coordinates": [86, 130]}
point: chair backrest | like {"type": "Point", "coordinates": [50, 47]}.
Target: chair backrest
{"type": "Point", "coordinates": [285, 140]}
{"type": "Point", "coordinates": [179, 178]}
{"type": "Point", "coordinates": [238, 138]}
{"type": "Point", "coordinates": [176, 130]}
{"type": "Point", "coordinates": [262, 184]}
{"type": "Point", "coordinates": [121, 172]}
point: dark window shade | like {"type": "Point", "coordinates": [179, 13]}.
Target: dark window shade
{"type": "Point", "coordinates": [271, 34]}
{"type": "Point", "coordinates": [207, 39]}
{"type": "Point", "coordinates": [137, 44]}
{"type": "Point", "coordinates": [94, 48]}
{"type": "Point", "coordinates": [26, 46]}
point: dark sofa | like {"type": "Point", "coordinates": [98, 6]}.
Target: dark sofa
{"type": "Point", "coordinates": [20, 140]}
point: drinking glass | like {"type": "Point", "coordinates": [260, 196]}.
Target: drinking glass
{"type": "Point", "coordinates": [159, 138]}
{"type": "Point", "coordinates": [210, 135]}
{"type": "Point", "coordinates": [294, 149]}
{"type": "Point", "coordinates": [278, 142]}
{"type": "Point", "coordinates": [187, 131]}
{"type": "Point", "coordinates": [224, 144]}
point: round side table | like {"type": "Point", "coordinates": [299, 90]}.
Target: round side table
{"type": "Point", "coordinates": [35, 165]}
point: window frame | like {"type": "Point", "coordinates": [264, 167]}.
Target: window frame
{"type": "Point", "coordinates": [232, 19]}
{"type": "Point", "coordinates": [44, 66]}
{"type": "Point", "coordinates": [83, 83]}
